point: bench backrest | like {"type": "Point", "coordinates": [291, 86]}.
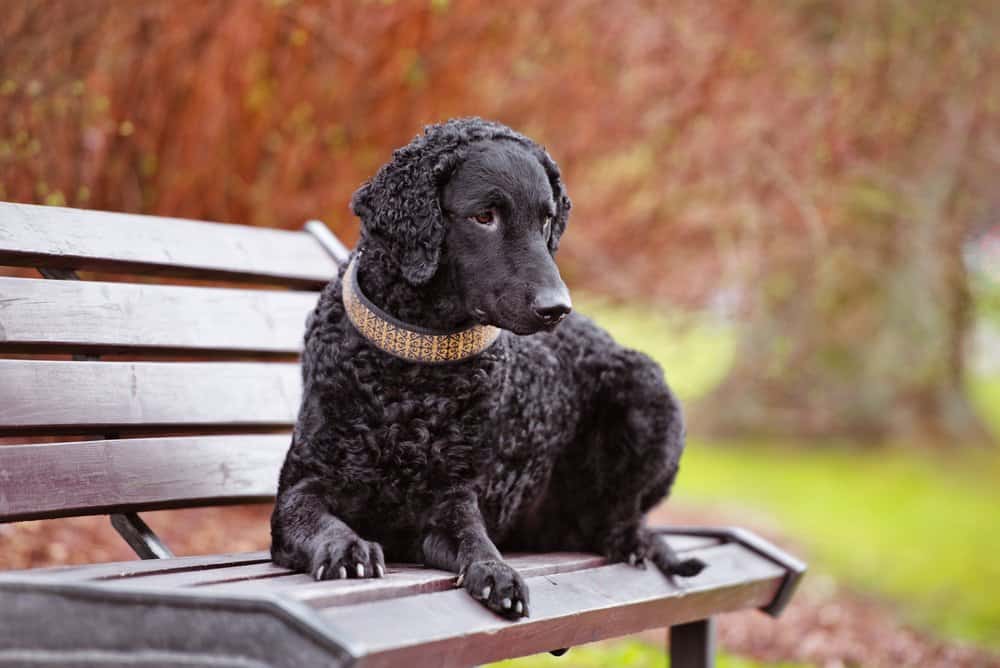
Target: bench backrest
{"type": "Point", "coordinates": [159, 396]}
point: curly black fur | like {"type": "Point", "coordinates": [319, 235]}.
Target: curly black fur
{"type": "Point", "coordinates": [557, 440]}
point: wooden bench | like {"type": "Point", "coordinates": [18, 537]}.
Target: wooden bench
{"type": "Point", "coordinates": [195, 409]}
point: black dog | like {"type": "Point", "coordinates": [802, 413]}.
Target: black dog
{"type": "Point", "coordinates": [526, 437]}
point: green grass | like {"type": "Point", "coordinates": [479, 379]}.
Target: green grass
{"type": "Point", "coordinates": [625, 654]}
{"type": "Point", "coordinates": [918, 529]}
{"type": "Point", "coordinates": [985, 394]}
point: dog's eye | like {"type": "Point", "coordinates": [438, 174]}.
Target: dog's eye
{"type": "Point", "coordinates": [484, 218]}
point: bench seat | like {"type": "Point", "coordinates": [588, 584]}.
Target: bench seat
{"type": "Point", "coordinates": [242, 608]}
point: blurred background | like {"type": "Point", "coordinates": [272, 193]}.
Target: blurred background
{"type": "Point", "coordinates": [793, 205]}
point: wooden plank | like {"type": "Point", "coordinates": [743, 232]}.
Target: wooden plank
{"type": "Point", "coordinates": [249, 573]}
{"type": "Point", "coordinates": [127, 569]}
{"type": "Point", "coordinates": [231, 573]}
{"type": "Point", "coordinates": [74, 397]}
{"type": "Point", "coordinates": [38, 315]}
{"type": "Point", "coordinates": [400, 579]}
{"type": "Point", "coordinates": [406, 580]}
{"type": "Point", "coordinates": [38, 236]}
{"type": "Point", "coordinates": [567, 609]}
{"type": "Point", "coordinates": [88, 477]}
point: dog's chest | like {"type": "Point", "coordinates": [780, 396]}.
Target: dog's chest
{"type": "Point", "coordinates": [535, 421]}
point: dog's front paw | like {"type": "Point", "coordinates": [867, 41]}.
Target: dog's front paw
{"type": "Point", "coordinates": [343, 555]}
{"type": "Point", "coordinates": [497, 586]}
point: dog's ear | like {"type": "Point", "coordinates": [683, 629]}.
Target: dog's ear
{"type": "Point", "coordinates": [563, 203]}
{"type": "Point", "coordinates": [401, 207]}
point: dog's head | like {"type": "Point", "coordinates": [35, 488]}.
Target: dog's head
{"type": "Point", "coordinates": [483, 203]}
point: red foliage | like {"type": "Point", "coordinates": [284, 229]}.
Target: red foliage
{"type": "Point", "coordinates": [684, 128]}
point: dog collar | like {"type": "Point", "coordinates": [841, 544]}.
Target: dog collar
{"type": "Point", "coordinates": [409, 342]}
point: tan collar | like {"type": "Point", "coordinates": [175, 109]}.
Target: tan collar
{"type": "Point", "coordinates": [410, 342]}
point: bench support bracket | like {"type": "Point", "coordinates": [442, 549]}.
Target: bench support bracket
{"type": "Point", "coordinates": [330, 243]}
{"type": "Point", "coordinates": [692, 645]}
{"type": "Point", "coordinates": [794, 568]}
{"type": "Point", "coordinates": [139, 536]}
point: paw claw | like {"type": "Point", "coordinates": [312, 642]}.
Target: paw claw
{"type": "Point", "coordinates": [343, 554]}
{"type": "Point", "coordinates": [460, 579]}
{"type": "Point", "coordinates": [631, 559]}
{"type": "Point", "coordinates": [497, 586]}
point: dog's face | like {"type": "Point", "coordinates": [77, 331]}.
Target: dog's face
{"type": "Point", "coordinates": [500, 214]}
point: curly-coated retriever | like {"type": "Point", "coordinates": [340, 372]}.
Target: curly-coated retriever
{"type": "Point", "coordinates": [452, 407]}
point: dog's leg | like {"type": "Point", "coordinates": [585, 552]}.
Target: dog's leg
{"type": "Point", "coordinates": [306, 536]}
{"type": "Point", "coordinates": [456, 540]}
{"type": "Point", "coordinates": [631, 458]}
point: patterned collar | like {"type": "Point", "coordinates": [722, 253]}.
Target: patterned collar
{"type": "Point", "coordinates": [409, 342]}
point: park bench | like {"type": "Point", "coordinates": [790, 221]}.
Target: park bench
{"type": "Point", "coordinates": [153, 396]}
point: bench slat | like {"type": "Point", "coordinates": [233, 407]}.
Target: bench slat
{"type": "Point", "coordinates": [248, 574]}
{"type": "Point", "coordinates": [253, 572]}
{"type": "Point", "coordinates": [404, 580]}
{"type": "Point", "coordinates": [567, 609]}
{"type": "Point", "coordinates": [38, 315]}
{"type": "Point", "coordinates": [48, 480]}
{"type": "Point", "coordinates": [76, 397]}
{"type": "Point", "coordinates": [117, 570]}
{"type": "Point", "coordinates": [45, 236]}
{"type": "Point", "coordinates": [400, 579]}
{"type": "Point", "coordinates": [575, 599]}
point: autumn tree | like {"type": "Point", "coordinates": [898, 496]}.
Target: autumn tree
{"type": "Point", "coordinates": [820, 160]}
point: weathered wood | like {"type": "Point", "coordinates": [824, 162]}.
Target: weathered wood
{"type": "Point", "coordinates": [45, 623]}
{"type": "Point", "coordinates": [692, 645]}
{"type": "Point", "coordinates": [576, 601]}
{"type": "Point", "coordinates": [120, 570]}
{"type": "Point", "coordinates": [74, 397]}
{"type": "Point", "coordinates": [44, 236]}
{"type": "Point", "coordinates": [87, 477]}
{"type": "Point", "coordinates": [68, 316]}
{"type": "Point", "coordinates": [406, 580]}
{"type": "Point", "coordinates": [400, 579]}
{"type": "Point", "coordinates": [252, 573]}
{"type": "Point", "coordinates": [567, 609]}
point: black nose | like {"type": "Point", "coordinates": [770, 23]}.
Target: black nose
{"type": "Point", "coordinates": [553, 305]}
